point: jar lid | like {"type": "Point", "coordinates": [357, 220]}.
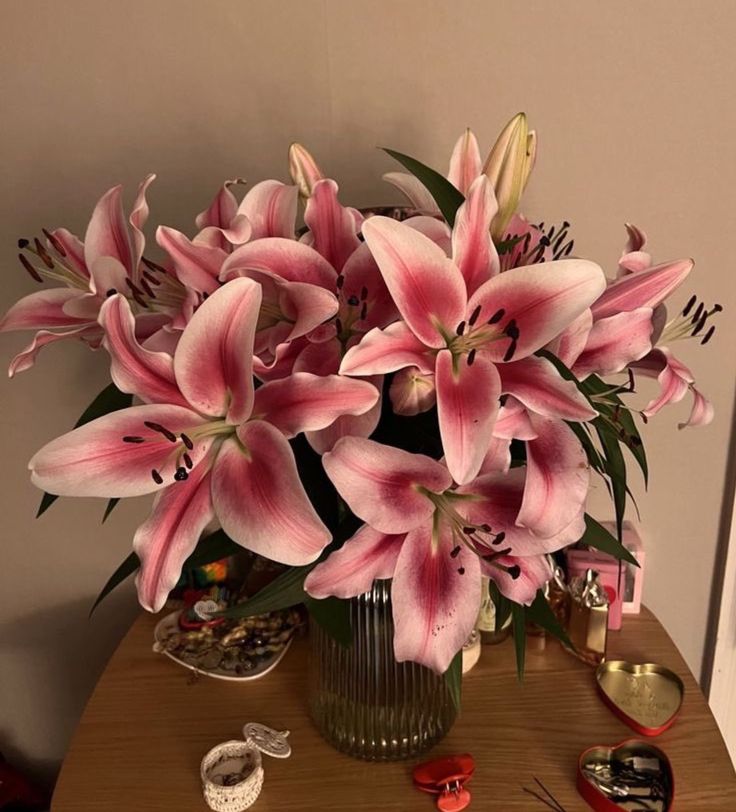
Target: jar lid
{"type": "Point", "coordinates": [271, 742]}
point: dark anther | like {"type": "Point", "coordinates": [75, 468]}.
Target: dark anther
{"type": "Point", "coordinates": [514, 571]}
{"type": "Point", "coordinates": [169, 435]}
{"type": "Point", "coordinates": [717, 308]}
{"type": "Point", "coordinates": [474, 316]}
{"type": "Point", "coordinates": [147, 288]}
{"type": "Point", "coordinates": [43, 253]}
{"type": "Point", "coordinates": [188, 461]}
{"type": "Point", "coordinates": [151, 278]}
{"type": "Point", "coordinates": [499, 538]}
{"type": "Point", "coordinates": [157, 478]}
{"type": "Point", "coordinates": [456, 552]}
{"type": "Point", "coordinates": [699, 326]}
{"type": "Point", "coordinates": [486, 528]}
{"type": "Point", "coordinates": [152, 266]}
{"type": "Point", "coordinates": [510, 351]}
{"type": "Point", "coordinates": [707, 337]}
{"type": "Point", "coordinates": [56, 245]}
{"type": "Point", "coordinates": [133, 440]}
{"type": "Point", "coordinates": [460, 328]}
{"type": "Point", "coordinates": [110, 292]}
{"type": "Point", "coordinates": [187, 442]}
{"type": "Point", "coordinates": [497, 316]}
{"type": "Point", "coordinates": [468, 531]}
{"type": "Point", "coordinates": [23, 243]}
{"type": "Point", "coordinates": [134, 288]}
{"type": "Point", "coordinates": [471, 357]}
{"type": "Point", "coordinates": [353, 301]}
{"type": "Point", "coordinates": [31, 270]}
{"type": "Point", "coordinates": [181, 474]}
{"type": "Point", "coordinates": [364, 293]}
{"type": "Point", "coordinates": [461, 570]}
{"type": "Point", "coordinates": [690, 304]}
{"type": "Point", "coordinates": [340, 281]}
{"type": "Point", "coordinates": [696, 314]}
{"type": "Point", "coordinates": [364, 310]}
{"type": "Point", "coordinates": [544, 241]}
{"type": "Point", "coordinates": [512, 330]}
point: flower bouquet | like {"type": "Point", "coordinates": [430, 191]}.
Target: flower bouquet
{"type": "Point", "coordinates": [419, 394]}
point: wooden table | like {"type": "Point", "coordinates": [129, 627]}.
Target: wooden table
{"type": "Point", "coordinates": [148, 724]}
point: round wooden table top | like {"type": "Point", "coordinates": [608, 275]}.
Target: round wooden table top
{"type": "Point", "coordinates": [149, 722]}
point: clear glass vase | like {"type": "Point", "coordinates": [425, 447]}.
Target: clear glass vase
{"type": "Point", "coordinates": [366, 704]}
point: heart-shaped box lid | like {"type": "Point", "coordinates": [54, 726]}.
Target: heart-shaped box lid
{"type": "Point", "coordinates": [646, 696]}
{"type": "Point", "coordinates": [632, 775]}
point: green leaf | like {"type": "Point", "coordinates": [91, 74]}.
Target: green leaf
{"type": "Point", "coordinates": [333, 615]}
{"type": "Point", "coordinates": [615, 468]}
{"type": "Point", "coordinates": [285, 590]}
{"type": "Point", "coordinates": [454, 679]}
{"type": "Point", "coordinates": [541, 614]}
{"type": "Point", "coordinates": [110, 399]}
{"type": "Point", "coordinates": [126, 569]}
{"type": "Point", "coordinates": [518, 621]}
{"type": "Point", "coordinates": [598, 537]}
{"type": "Point", "coordinates": [502, 604]}
{"type": "Point", "coordinates": [445, 195]}
{"type": "Point", "coordinates": [110, 507]}
{"type": "Point", "coordinates": [591, 452]}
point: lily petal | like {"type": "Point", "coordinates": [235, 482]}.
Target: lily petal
{"type": "Point", "coordinates": [387, 350]}
{"type": "Point", "coordinates": [306, 402]}
{"type": "Point", "coordinates": [465, 162]}
{"type": "Point", "coordinates": [381, 483]}
{"type": "Point", "coordinates": [646, 288]}
{"type": "Point", "coordinates": [94, 460]}
{"type": "Point", "coordinates": [614, 342]}
{"type": "Point", "coordinates": [572, 340]}
{"type": "Point", "coordinates": [138, 217]}
{"type": "Point", "coordinates": [270, 206]}
{"type": "Point", "coordinates": [537, 384]}
{"type": "Point", "coordinates": [43, 309]}
{"type": "Point", "coordinates": [435, 598]}
{"type": "Point", "coordinates": [332, 226]}
{"type": "Point", "coordinates": [428, 289]}
{"type": "Point", "coordinates": [351, 570]}
{"type": "Point", "coordinates": [214, 358]}
{"type": "Point", "coordinates": [534, 572]}
{"type": "Point", "coordinates": [514, 422]}
{"type": "Point", "coordinates": [414, 190]}
{"type": "Point", "coordinates": [473, 250]}
{"type": "Point", "coordinates": [107, 232]}
{"type": "Point", "coordinates": [169, 535]}
{"type": "Point", "coordinates": [196, 265]}
{"type": "Point", "coordinates": [467, 406]}
{"type": "Point", "coordinates": [702, 412]}
{"type": "Point", "coordinates": [26, 358]}
{"type": "Point", "coordinates": [348, 425]}
{"type": "Point", "coordinates": [287, 259]}
{"type": "Point", "coordinates": [412, 392]}
{"type": "Point", "coordinates": [260, 500]}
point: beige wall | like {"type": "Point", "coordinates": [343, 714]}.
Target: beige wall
{"type": "Point", "coordinates": [634, 104]}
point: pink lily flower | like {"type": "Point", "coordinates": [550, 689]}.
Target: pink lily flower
{"type": "Point", "coordinates": [108, 261]}
{"type": "Point", "coordinates": [209, 445]}
{"type": "Point", "coordinates": [434, 540]}
{"type": "Point", "coordinates": [463, 338]}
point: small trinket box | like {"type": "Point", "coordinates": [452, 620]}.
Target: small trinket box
{"type": "Point", "coordinates": [587, 625]}
{"type": "Point", "coordinates": [232, 772]}
{"type": "Point", "coordinates": [446, 778]}
{"type": "Point", "coordinates": [633, 775]}
{"type": "Point", "coordinates": [610, 575]}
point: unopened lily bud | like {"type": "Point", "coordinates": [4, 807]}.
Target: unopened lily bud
{"type": "Point", "coordinates": [412, 392]}
{"type": "Point", "coordinates": [303, 169]}
{"type": "Point", "coordinates": [508, 167]}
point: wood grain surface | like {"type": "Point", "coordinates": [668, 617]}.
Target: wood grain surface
{"type": "Point", "coordinates": [148, 724]}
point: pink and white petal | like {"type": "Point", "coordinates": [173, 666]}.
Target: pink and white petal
{"type": "Point", "coordinates": [534, 572]}
{"type": "Point", "coordinates": [361, 275]}
{"type": "Point", "coordinates": [306, 402]}
{"type": "Point", "coordinates": [138, 217]}
{"type": "Point", "coordinates": [218, 216]}
{"type": "Point", "coordinates": [498, 457]}
{"type": "Point", "coordinates": [240, 232]}
{"type": "Point", "coordinates": [107, 274]}
{"type": "Point", "coordinates": [134, 369]}
{"type": "Point", "coordinates": [465, 162]}
{"type": "Point", "coordinates": [304, 170]}
{"type": "Point", "coordinates": [614, 342]}
{"type": "Point", "coordinates": [321, 358]}
{"type": "Point", "coordinates": [43, 309]}
{"type": "Point", "coordinates": [673, 376]}
{"type": "Point", "coordinates": [540, 387]}
{"type": "Point", "coordinates": [169, 535]}
{"type": "Point", "coordinates": [435, 597]}
{"type": "Point", "coordinates": [633, 262]}
{"type": "Point", "coordinates": [572, 340]}
{"type": "Point", "coordinates": [367, 556]}
{"type": "Point", "coordinates": [387, 350]}
{"type": "Point", "coordinates": [541, 299]}
{"type": "Point", "coordinates": [414, 190]}
{"type": "Point", "coordinates": [557, 478]}
{"type": "Point", "coordinates": [196, 265]}
{"type": "Point", "coordinates": [73, 250]}
{"type": "Point", "coordinates": [701, 413]}
{"type": "Point", "coordinates": [260, 500]}
{"type": "Point", "coordinates": [360, 425]}
{"type": "Point", "coordinates": [646, 288]}
{"type": "Point", "coordinates": [636, 238]}
{"type": "Point", "coordinates": [94, 460]}
{"type": "Point", "coordinates": [473, 250]}
{"type": "Point", "coordinates": [26, 358]}
{"type": "Point", "coordinates": [331, 225]}
{"type": "Point", "coordinates": [513, 422]}
{"type": "Point", "coordinates": [213, 363]}
{"type": "Point", "coordinates": [85, 307]}
{"type": "Point", "coordinates": [467, 406]}
{"type": "Point", "coordinates": [107, 232]}
{"type": "Point", "coordinates": [282, 363]}
{"type": "Point", "coordinates": [305, 306]}
{"type": "Point", "coordinates": [412, 392]}
{"type": "Point", "coordinates": [426, 286]}
{"type": "Point", "coordinates": [381, 483]}
{"type": "Point", "coordinates": [287, 259]}
{"type": "Point", "coordinates": [437, 230]}
{"type": "Point", "coordinates": [270, 206]}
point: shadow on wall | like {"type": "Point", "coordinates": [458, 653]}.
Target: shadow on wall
{"type": "Point", "coordinates": [42, 652]}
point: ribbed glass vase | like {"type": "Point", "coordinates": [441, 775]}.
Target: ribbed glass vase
{"type": "Point", "coordinates": [366, 704]}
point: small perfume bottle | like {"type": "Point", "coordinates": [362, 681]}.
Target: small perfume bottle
{"type": "Point", "coordinates": [486, 625]}
{"type": "Point", "coordinates": [588, 620]}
